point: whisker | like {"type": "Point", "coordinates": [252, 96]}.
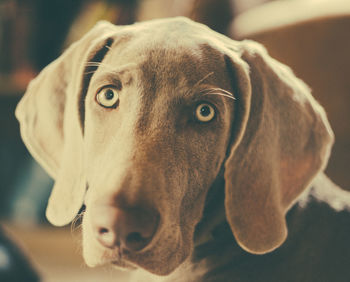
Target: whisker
{"type": "Point", "coordinates": [108, 71]}
{"type": "Point", "coordinates": [221, 90]}
{"type": "Point", "coordinates": [88, 72]}
{"type": "Point", "coordinates": [218, 91]}
{"type": "Point", "coordinates": [202, 79]}
{"type": "Point", "coordinates": [76, 223]}
{"type": "Point", "coordinates": [199, 82]}
{"type": "Point", "coordinates": [221, 94]}
{"type": "Point", "coordinates": [93, 64]}
{"type": "Point", "coordinates": [109, 68]}
{"type": "Point", "coordinates": [98, 64]}
{"type": "Point", "coordinates": [215, 90]}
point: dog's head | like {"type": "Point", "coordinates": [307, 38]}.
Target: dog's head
{"type": "Point", "coordinates": [136, 122]}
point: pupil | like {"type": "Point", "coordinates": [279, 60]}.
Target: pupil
{"type": "Point", "coordinates": [109, 94]}
{"type": "Point", "coordinates": [205, 111]}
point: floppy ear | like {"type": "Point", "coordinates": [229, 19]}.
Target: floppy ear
{"type": "Point", "coordinates": [51, 117]}
{"type": "Point", "coordinates": [282, 141]}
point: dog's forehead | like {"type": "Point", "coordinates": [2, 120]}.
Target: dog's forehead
{"type": "Point", "coordinates": [167, 69]}
{"type": "Point", "coordinates": [168, 50]}
{"type": "Point", "coordinates": [168, 64]}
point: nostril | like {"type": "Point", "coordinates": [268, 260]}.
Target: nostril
{"type": "Point", "coordinates": [135, 241]}
{"type": "Point", "coordinates": [103, 230]}
{"type": "Point", "coordinates": [132, 228]}
{"type": "Point", "coordinates": [134, 237]}
{"type": "Point", "coordinates": [106, 237]}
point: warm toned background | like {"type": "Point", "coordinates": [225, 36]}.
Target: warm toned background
{"type": "Point", "coordinates": [312, 36]}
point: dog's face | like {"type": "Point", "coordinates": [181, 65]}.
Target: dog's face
{"type": "Point", "coordinates": [142, 122]}
{"type": "Point", "coordinates": [170, 111]}
{"type": "Point", "coordinates": [159, 147]}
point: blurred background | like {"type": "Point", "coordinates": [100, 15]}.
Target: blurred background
{"type": "Point", "coordinates": [311, 36]}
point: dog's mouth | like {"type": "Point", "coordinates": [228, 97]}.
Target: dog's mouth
{"type": "Point", "coordinates": [163, 248]}
{"type": "Point", "coordinates": [118, 257]}
{"type": "Point", "coordinates": [124, 264]}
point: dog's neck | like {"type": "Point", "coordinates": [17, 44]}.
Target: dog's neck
{"type": "Point", "coordinates": [214, 242]}
{"type": "Point", "coordinates": [216, 251]}
{"type": "Point", "coordinates": [213, 214]}
{"type": "Point", "coordinates": [217, 255]}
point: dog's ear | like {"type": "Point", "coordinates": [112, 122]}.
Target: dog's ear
{"type": "Point", "coordinates": [282, 139]}
{"type": "Point", "coordinates": [51, 116]}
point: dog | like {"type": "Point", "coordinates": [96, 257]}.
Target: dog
{"type": "Point", "coordinates": [196, 157]}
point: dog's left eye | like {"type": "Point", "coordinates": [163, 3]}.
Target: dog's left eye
{"type": "Point", "coordinates": [205, 112]}
{"type": "Point", "coordinates": [108, 97]}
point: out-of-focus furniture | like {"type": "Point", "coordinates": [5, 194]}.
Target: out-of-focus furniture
{"type": "Point", "coordinates": [14, 265]}
{"type": "Point", "coordinates": [55, 253]}
{"type": "Point", "coordinates": [313, 38]}
{"type": "Point", "coordinates": [217, 14]}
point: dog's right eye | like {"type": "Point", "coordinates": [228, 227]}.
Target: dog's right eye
{"type": "Point", "coordinates": [107, 97]}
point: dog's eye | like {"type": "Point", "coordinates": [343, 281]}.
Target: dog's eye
{"type": "Point", "coordinates": [204, 112]}
{"type": "Point", "coordinates": [107, 97]}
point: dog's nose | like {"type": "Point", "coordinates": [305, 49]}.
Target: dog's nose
{"type": "Point", "coordinates": [131, 228]}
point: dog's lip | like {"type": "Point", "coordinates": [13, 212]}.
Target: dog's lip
{"type": "Point", "coordinates": [119, 259]}
{"type": "Point", "coordinates": [122, 263]}
{"type": "Point", "coordinates": [117, 255]}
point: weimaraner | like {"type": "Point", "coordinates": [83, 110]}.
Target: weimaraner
{"type": "Point", "coordinates": [196, 157]}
